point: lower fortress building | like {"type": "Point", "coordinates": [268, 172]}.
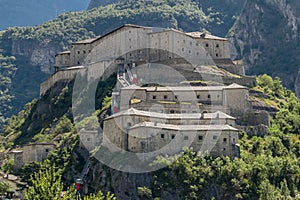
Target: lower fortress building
{"type": "Point", "coordinates": [173, 89]}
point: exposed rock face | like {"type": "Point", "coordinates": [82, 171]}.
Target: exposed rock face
{"type": "Point", "coordinates": [124, 185]}
{"type": "Point", "coordinates": [40, 54]}
{"type": "Point", "coordinates": [266, 37]}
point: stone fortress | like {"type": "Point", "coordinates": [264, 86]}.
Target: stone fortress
{"type": "Point", "coordinates": [173, 89]}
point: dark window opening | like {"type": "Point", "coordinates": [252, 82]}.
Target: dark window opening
{"type": "Point", "coordinates": [217, 45]}
{"type": "Point", "coordinates": [162, 135]}
{"type": "Point", "coordinates": [165, 97]}
{"type": "Point", "coordinates": [200, 137]}
{"type": "Point", "coordinates": [78, 63]}
{"type": "Point", "coordinates": [88, 139]}
{"type": "Point", "coordinates": [186, 137]}
{"type": "Point", "coordinates": [224, 149]}
{"type": "Point", "coordinates": [172, 111]}
{"type": "Point", "coordinates": [208, 96]}
{"type": "Point", "coordinates": [153, 97]}
{"type": "Point", "coordinates": [217, 55]}
{"type": "Point", "coordinates": [198, 96]}
{"type": "Point", "coordinates": [224, 139]}
{"type": "Point", "coordinates": [172, 136]}
{"type": "Point", "coordinates": [78, 52]}
{"type": "Point", "coordinates": [215, 137]}
{"type": "Point", "coordinates": [176, 97]}
{"type": "Point", "coordinates": [206, 45]}
{"type": "Point", "coordinates": [84, 51]}
{"type": "Point", "coordinates": [47, 150]}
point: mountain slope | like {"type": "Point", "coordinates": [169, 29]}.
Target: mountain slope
{"type": "Point", "coordinates": [35, 47]}
{"type": "Point", "coordinates": [267, 38]}
{"type": "Point", "coordinates": [33, 12]}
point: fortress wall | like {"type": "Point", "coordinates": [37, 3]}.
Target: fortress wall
{"type": "Point", "coordinates": [258, 130]}
{"type": "Point", "coordinates": [171, 141]}
{"type": "Point", "coordinates": [62, 60]}
{"type": "Point", "coordinates": [254, 118]}
{"type": "Point", "coordinates": [124, 120]}
{"type": "Point", "coordinates": [225, 144]}
{"type": "Point", "coordinates": [235, 69]}
{"type": "Point", "coordinates": [59, 75]}
{"type": "Point", "coordinates": [79, 51]}
{"type": "Point", "coordinates": [36, 152]}
{"type": "Point", "coordinates": [237, 100]}
{"type": "Point", "coordinates": [249, 81]}
{"type": "Point", "coordinates": [178, 108]}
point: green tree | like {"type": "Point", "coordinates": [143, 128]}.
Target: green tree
{"type": "Point", "coordinates": [46, 184]}
{"type": "Point", "coordinates": [4, 187]}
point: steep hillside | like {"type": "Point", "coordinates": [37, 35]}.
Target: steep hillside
{"type": "Point", "coordinates": [34, 12]}
{"type": "Point", "coordinates": [268, 167]}
{"type": "Point", "coordinates": [35, 47]}
{"type": "Point", "coordinates": [267, 38]}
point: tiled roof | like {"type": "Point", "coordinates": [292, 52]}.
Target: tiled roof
{"type": "Point", "coordinates": [214, 127]}
{"type": "Point", "coordinates": [205, 36]}
{"type": "Point", "coordinates": [184, 88]}
{"type": "Point", "coordinates": [133, 111]}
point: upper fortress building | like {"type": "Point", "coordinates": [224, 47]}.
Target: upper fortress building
{"type": "Point", "coordinates": [171, 86]}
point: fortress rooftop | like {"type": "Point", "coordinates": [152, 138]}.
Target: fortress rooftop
{"type": "Point", "coordinates": [185, 127]}
{"type": "Point", "coordinates": [133, 111]}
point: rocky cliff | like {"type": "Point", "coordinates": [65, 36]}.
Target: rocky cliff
{"type": "Point", "coordinates": [266, 36]}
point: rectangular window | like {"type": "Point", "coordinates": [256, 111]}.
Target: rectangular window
{"type": "Point", "coordinates": [186, 137]}
{"type": "Point", "coordinates": [224, 139]}
{"type": "Point", "coordinates": [215, 137]}
{"type": "Point", "coordinates": [162, 135]}
{"type": "Point", "coordinates": [165, 97]}
{"type": "Point", "coordinates": [154, 97]}
{"type": "Point", "coordinates": [200, 137]}
{"type": "Point", "coordinates": [173, 136]}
